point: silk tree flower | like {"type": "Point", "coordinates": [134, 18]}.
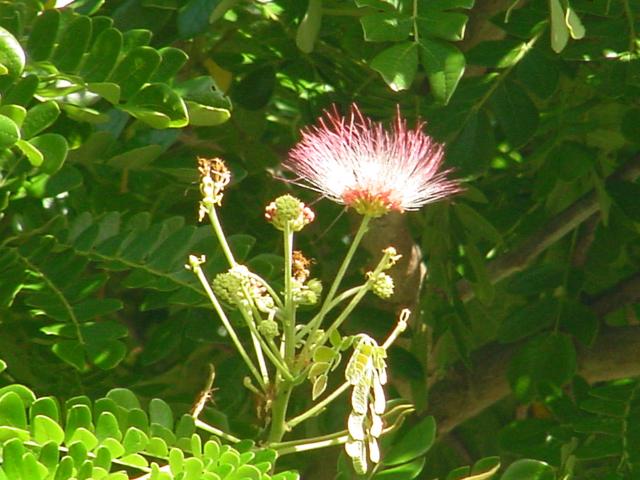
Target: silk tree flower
{"type": "Point", "coordinates": [355, 161]}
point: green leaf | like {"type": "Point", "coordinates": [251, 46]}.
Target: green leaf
{"type": "Point", "coordinates": [407, 471]}
{"type": "Point", "coordinates": [206, 116]}
{"type": "Point", "coordinates": [159, 106]}
{"type": "Point", "coordinates": [107, 427]}
{"type": "Point", "coordinates": [172, 61]}
{"type": "Point", "coordinates": [413, 444]}
{"type": "Point", "coordinates": [160, 413]}
{"type": "Point", "coordinates": [72, 44]}
{"type": "Point", "coordinates": [482, 285]}
{"type": "Point", "coordinates": [474, 147]}
{"type": "Point", "coordinates": [309, 27]}
{"type": "Point", "coordinates": [47, 430]}
{"type": "Point", "coordinates": [106, 354]}
{"type": "Point", "coordinates": [124, 397]}
{"type": "Point", "coordinates": [39, 118]}
{"type": "Point", "coordinates": [547, 360]}
{"type": "Point", "coordinates": [84, 436]}
{"type": "Point", "coordinates": [444, 65]}
{"type": "Point", "coordinates": [47, 406]}
{"type": "Point", "coordinates": [527, 469]}
{"type": "Point", "coordinates": [574, 24]}
{"type": "Point", "coordinates": [71, 352]}
{"type": "Point", "coordinates": [136, 158]}
{"type": "Point", "coordinates": [630, 125]}
{"type": "Point", "coordinates": [559, 29]}
{"type": "Point", "coordinates": [16, 113]}
{"type": "Point", "coordinates": [444, 25]}
{"type": "Point", "coordinates": [571, 160]}
{"type": "Point", "coordinates": [12, 411]}
{"type": "Point", "coordinates": [135, 440]}
{"type": "Point", "coordinates": [34, 155]}
{"type": "Point", "coordinates": [21, 92]}
{"type": "Point", "coordinates": [498, 53]}
{"type": "Point", "coordinates": [515, 112]}
{"type": "Point", "coordinates": [483, 469]}
{"type": "Point", "coordinates": [476, 224]}
{"type": "Point", "coordinates": [9, 132]}
{"type": "Point", "coordinates": [397, 65]}
{"type": "Point", "coordinates": [103, 56]}
{"type": "Point", "coordinates": [527, 320]}
{"type": "Point", "coordinates": [539, 73]}
{"type": "Point", "coordinates": [3, 365]}
{"type": "Point", "coordinates": [54, 150]}
{"type": "Point", "coordinates": [255, 90]}
{"type": "Point", "coordinates": [107, 90]}
{"type": "Point", "coordinates": [193, 17]}
{"type": "Point", "coordinates": [12, 453]}
{"type": "Point", "coordinates": [536, 279]}
{"type": "Point", "coordinates": [43, 35]}
{"type": "Point", "coordinates": [386, 27]}
{"type": "Point", "coordinates": [625, 195]}
{"type": "Point", "coordinates": [12, 57]}
{"type": "Point", "coordinates": [135, 70]}
{"type": "Point", "coordinates": [27, 396]}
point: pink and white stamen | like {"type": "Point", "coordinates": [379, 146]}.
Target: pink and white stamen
{"type": "Point", "coordinates": [357, 162]}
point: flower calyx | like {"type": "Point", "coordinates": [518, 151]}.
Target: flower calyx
{"type": "Point", "coordinates": [390, 258]}
{"type": "Point", "coordinates": [195, 262]}
{"type": "Point", "coordinates": [289, 212]}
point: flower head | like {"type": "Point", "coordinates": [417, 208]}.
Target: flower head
{"type": "Point", "coordinates": [357, 162]}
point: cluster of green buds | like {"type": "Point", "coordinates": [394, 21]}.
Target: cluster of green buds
{"type": "Point", "coordinates": [214, 177]}
{"type": "Point", "coordinates": [238, 288]}
{"type": "Point", "coordinates": [381, 285]}
{"type": "Point", "coordinates": [366, 372]}
{"type": "Point", "coordinates": [288, 212]}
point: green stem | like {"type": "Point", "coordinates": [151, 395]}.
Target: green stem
{"type": "Point", "coordinates": [217, 228]}
{"type": "Point", "coordinates": [262, 364]}
{"type": "Point", "coordinates": [279, 412]}
{"type": "Point", "coordinates": [289, 307]}
{"type": "Point", "coordinates": [382, 265]}
{"type": "Point", "coordinates": [340, 298]}
{"type": "Point", "coordinates": [227, 325]}
{"type": "Point", "coordinates": [337, 438]}
{"type": "Point", "coordinates": [318, 407]}
{"type": "Point", "coordinates": [311, 328]}
{"type": "Point", "coordinates": [262, 344]}
{"type": "Point", "coordinates": [215, 431]}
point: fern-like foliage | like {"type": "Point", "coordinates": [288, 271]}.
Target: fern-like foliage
{"type": "Point", "coordinates": [114, 438]}
{"type": "Point", "coordinates": [51, 276]}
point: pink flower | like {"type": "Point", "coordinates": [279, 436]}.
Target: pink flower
{"type": "Point", "coordinates": [357, 162]}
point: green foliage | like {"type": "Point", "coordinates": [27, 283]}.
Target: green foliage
{"type": "Point", "coordinates": [104, 107]}
{"type": "Point", "coordinates": [111, 437]}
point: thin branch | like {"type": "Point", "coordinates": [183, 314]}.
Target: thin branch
{"type": "Point", "coordinates": [566, 221]}
{"type": "Point", "coordinates": [462, 394]}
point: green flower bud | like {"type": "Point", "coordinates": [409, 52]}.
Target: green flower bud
{"type": "Point", "coordinates": [382, 285]}
{"type": "Point", "coordinates": [269, 329]}
{"type": "Point", "coordinates": [236, 287]}
{"type": "Point", "coordinates": [229, 286]}
{"type": "Point", "coordinates": [308, 294]}
{"type": "Point", "coordinates": [288, 210]}
{"type": "Point", "coordinates": [315, 286]}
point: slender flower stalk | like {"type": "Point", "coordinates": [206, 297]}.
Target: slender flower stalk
{"type": "Point", "coordinates": [357, 162]}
